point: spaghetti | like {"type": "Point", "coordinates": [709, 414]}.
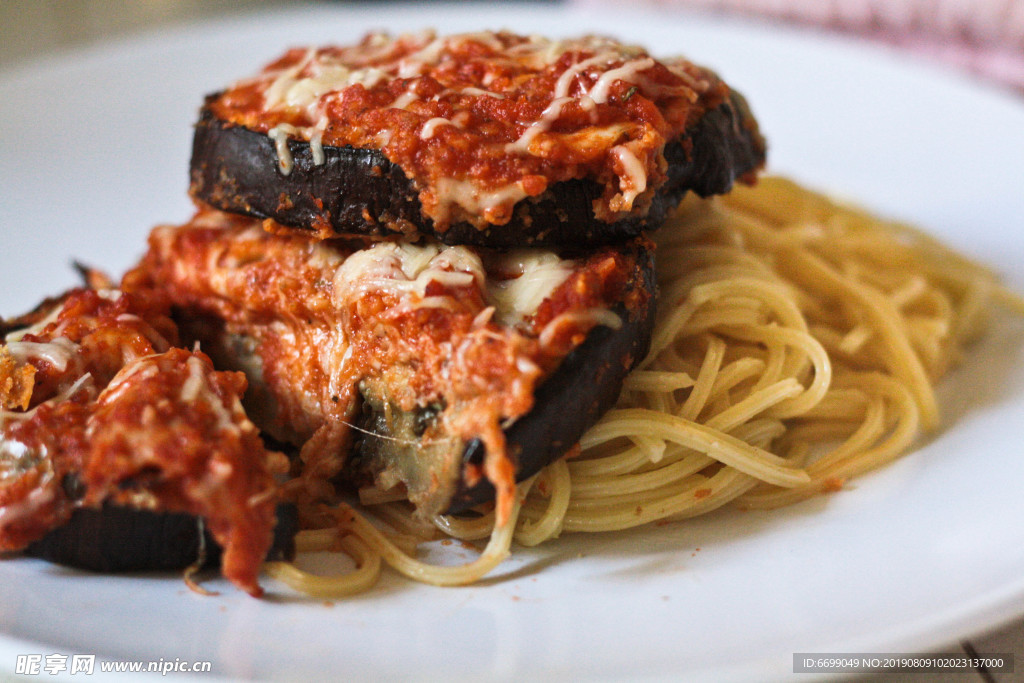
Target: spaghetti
{"type": "Point", "coordinates": [798, 344]}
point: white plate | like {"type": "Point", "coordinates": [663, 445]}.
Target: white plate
{"type": "Point", "coordinates": [94, 151]}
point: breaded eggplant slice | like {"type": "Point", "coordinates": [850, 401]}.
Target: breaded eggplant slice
{"type": "Point", "coordinates": [487, 139]}
{"type": "Point", "coordinates": [100, 411]}
{"type": "Point", "coordinates": [117, 538]}
{"type": "Point", "coordinates": [450, 371]}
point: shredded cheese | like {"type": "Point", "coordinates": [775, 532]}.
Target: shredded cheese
{"type": "Point", "coordinates": [539, 273]}
{"type": "Point", "coordinates": [37, 328]}
{"type": "Point", "coordinates": [58, 352]}
{"type": "Point", "coordinates": [431, 126]}
{"type": "Point", "coordinates": [634, 182]}
{"type": "Point", "coordinates": [469, 196]}
{"type": "Point", "coordinates": [406, 269]}
{"type": "Point", "coordinates": [597, 316]}
{"type": "Point", "coordinates": [627, 72]}
{"type": "Point", "coordinates": [279, 134]}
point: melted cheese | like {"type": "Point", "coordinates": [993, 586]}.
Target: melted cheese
{"type": "Point", "coordinates": [405, 99]}
{"type": "Point", "coordinates": [595, 316]}
{"type": "Point", "coordinates": [289, 90]}
{"type": "Point", "coordinates": [431, 126]}
{"type": "Point", "coordinates": [83, 382]}
{"type": "Point", "coordinates": [275, 92]}
{"type": "Point", "coordinates": [538, 272]}
{"type": "Point", "coordinates": [195, 386]}
{"type": "Point", "coordinates": [480, 92]}
{"type": "Point", "coordinates": [402, 268]}
{"type": "Point", "coordinates": [628, 72]}
{"type": "Point", "coordinates": [407, 269]}
{"type": "Point", "coordinates": [12, 453]}
{"type": "Point", "coordinates": [416, 63]}
{"type": "Point", "coordinates": [197, 389]}
{"type": "Point", "coordinates": [598, 94]}
{"type": "Point", "coordinates": [634, 181]}
{"type": "Point", "coordinates": [474, 200]}
{"type": "Point", "coordinates": [279, 134]}
{"type": "Point", "coordinates": [37, 499]}
{"type": "Point", "coordinates": [316, 138]}
{"type": "Point", "coordinates": [541, 125]}
{"type": "Point", "coordinates": [57, 353]}
{"type": "Point", "coordinates": [565, 81]}
{"type": "Point", "coordinates": [37, 328]}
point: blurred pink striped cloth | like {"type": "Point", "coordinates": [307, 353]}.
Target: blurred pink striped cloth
{"type": "Point", "coordinates": [983, 36]}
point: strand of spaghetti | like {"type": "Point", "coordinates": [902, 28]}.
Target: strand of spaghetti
{"type": "Point", "coordinates": [625, 461]}
{"type": "Point", "coordinates": [312, 540]}
{"type": "Point", "coordinates": [666, 331]}
{"type": "Point", "coordinates": [657, 381]}
{"type": "Point", "coordinates": [801, 265]}
{"type": "Point", "coordinates": [398, 515]}
{"type": "Point", "coordinates": [736, 372]}
{"type": "Point", "coordinates": [775, 295]}
{"type": "Point", "coordinates": [366, 574]}
{"type": "Point", "coordinates": [842, 465]}
{"type": "Point", "coordinates": [839, 404]}
{"type": "Point", "coordinates": [722, 447]}
{"type": "Point", "coordinates": [610, 490]}
{"type": "Point", "coordinates": [723, 491]}
{"type": "Point", "coordinates": [972, 307]}
{"type": "Point", "coordinates": [907, 418]}
{"type": "Point", "coordinates": [548, 525]}
{"type": "Point", "coordinates": [654, 449]}
{"type": "Point", "coordinates": [465, 528]}
{"type": "Point", "coordinates": [600, 487]}
{"type": "Point", "coordinates": [758, 402]}
{"type": "Point", "coordinates": [822, 432]}
{"type": "Point", "coordinates": [856, 442]}
{"type": "Point", "coordinates": [662, 402]}
{"type": "Point", "coordinates": [494, 553]}
{"type": "Point", "coordinates": [871, 429]}
{"type": "Point", "coordinates": [688, 259]}
{"type": "Point", "coordinates": [701, 494]}
{"type": "Point", "coordinates": [810, 347]}
{"type": "Point", "coordinates": [855, 339]}
{"type": "Point", "coordinates": [609, 504]}
{"type": "Point", "coordinates": [774, 367]}
{"type": "Point", "coordinates": [371, 495]}
{"type": "Point", "coordinates": [680, 286]}
{"type": "Point", "coordinates": [705, 380]}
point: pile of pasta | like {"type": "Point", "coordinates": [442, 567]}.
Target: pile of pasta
{"type": "Point", "coordinates": [798, 345]}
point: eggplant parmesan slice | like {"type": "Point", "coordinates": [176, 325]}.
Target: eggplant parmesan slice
{"type": "Point", "coordinates": [118, 538]}
{"type": "Point", "coordinates": [100, 411]}
{"type": "Point", "coordinates": [422, 365]}
{"type": "Point", "coordinates": [487, 139]}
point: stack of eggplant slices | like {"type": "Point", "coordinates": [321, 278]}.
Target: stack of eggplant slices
{"type": "Point", "coordinates": [418, 263]}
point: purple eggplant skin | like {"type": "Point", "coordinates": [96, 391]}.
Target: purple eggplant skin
{"type": "Point", "coordinates": [585, 385]}
{"type": "Point", "coordinates": [117, 538]}
{"type": "Point", "coordinates": [359, 192]}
